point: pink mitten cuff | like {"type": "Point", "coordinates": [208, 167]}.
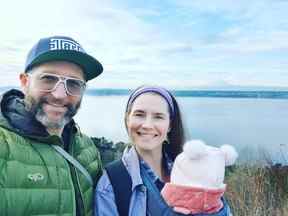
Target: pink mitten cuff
{"type": "Point", "coordinates": [192, 200]}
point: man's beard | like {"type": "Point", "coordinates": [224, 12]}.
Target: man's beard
{"type": "Point", "coordinates": [36, 109]}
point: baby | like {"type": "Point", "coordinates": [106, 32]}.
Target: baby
{"type": "Point", "coordinates": [197, 178]}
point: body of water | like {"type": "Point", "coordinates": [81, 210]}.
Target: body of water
{"type": "Point", "coordinates": [254, 126]}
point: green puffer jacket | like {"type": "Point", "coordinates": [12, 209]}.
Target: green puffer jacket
{"type": "Point", "coordinates": [34, 178]}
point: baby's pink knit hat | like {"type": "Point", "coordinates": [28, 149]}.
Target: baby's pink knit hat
{"type": "Point", "coordinates": [200, 165]}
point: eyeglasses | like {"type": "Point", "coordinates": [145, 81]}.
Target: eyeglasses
{"type": "Point", "coordinates": [48, 82]}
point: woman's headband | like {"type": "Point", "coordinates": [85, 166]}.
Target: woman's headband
{"type": "Point", "coordinates": [159, 90]}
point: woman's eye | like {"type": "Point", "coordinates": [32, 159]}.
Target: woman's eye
{"type": "Point", "coordinates": [159, 117]}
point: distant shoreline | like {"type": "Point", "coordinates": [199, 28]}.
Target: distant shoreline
{"type": "Point", "coordinates": [200, 93]}
{"type": "Point", "coordinates": [214, 93]}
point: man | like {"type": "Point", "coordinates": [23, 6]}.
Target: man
{"type": "Point", "coordinates": [47, 166]}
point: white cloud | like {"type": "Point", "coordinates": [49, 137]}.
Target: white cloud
{"type": "Point", "coordinates": [148, 44]}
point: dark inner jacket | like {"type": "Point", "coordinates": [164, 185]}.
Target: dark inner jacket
{"type": "Point", "coordinates": [13, 109]}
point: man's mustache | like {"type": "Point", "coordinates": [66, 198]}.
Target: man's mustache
{"type": "Point", "coordinates": [71, 109]}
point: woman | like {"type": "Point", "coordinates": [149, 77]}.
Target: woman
{"type": "Point", "coordinates": [154, 125]}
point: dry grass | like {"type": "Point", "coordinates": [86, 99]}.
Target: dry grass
{"type": "Point", "coordinates": [258, 191]}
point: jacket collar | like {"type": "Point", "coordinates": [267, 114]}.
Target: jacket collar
{"type": "Point", "coordinates": [131, 161]}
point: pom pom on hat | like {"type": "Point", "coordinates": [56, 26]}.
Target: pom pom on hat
{"type": "Point", "coordinates": [194, 149]}
{"type": "Point", "coordinates": [230, 154]}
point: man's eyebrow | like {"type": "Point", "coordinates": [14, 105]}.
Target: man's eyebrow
{"type": "Point", "coordinates": [55, 74]}
{"type": "Point", "coordinates": [49, 71]}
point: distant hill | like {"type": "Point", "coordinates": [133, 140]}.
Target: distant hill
{"type": "Point", "coordinates": [244, 92]}
{"type": "Point", "coordinates": [201, 93]}
{"type": "Point", "coordinates": [107, 92]}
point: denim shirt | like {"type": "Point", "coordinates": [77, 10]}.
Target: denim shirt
{"type": "Point", "coordinates": [153, 177]}
{"type": "Point", "coordinates": [104, 196]}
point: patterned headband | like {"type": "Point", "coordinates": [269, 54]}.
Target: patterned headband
{"type": "Point", "coordinates": [161, 91]}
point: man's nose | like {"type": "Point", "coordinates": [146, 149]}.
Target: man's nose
{"type": "Point", "coordinates": [60, 91]}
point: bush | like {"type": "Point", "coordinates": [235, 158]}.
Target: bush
{"type": "Point", "coordinates": [108, 150]}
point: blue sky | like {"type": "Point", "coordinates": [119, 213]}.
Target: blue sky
{"type": "Point", "coordinates": [173, 43]}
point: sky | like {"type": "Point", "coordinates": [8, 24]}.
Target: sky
{"type": "Point", "coordinates": [178, 44]}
